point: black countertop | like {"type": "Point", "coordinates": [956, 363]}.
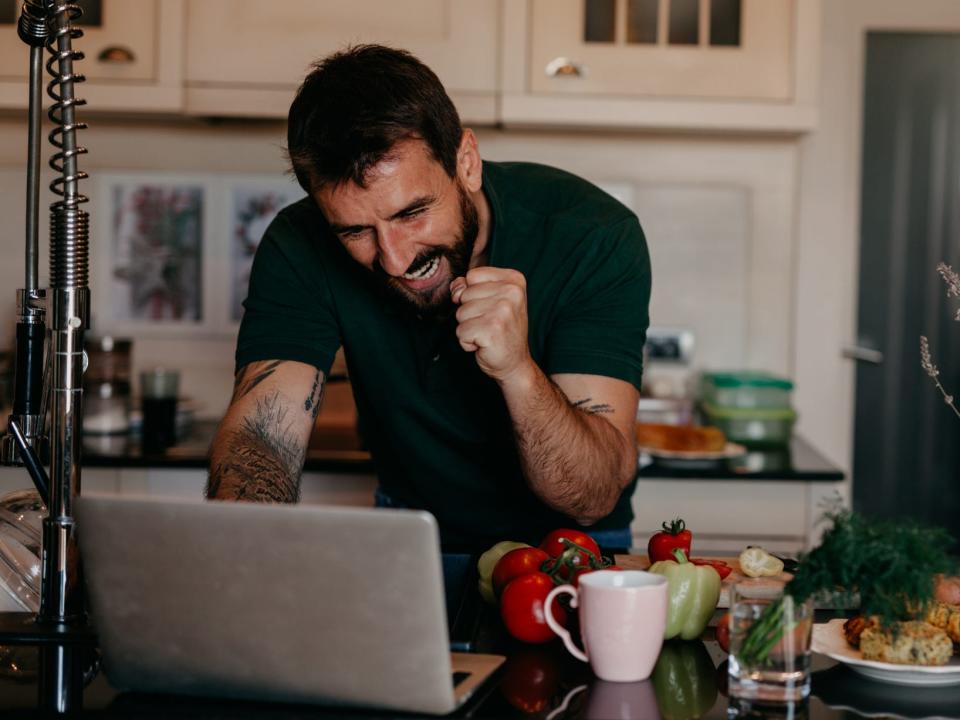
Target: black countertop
{"type": "Point", "coordinates": [536, 682]}
{"type": "Point", "coordinates": [799, 461]}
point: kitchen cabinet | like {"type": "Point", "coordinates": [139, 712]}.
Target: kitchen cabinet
{"type": "Point", "coordinates": [739, 65]}
{"type": "Point", "coordinates": [247, 57]}
{"type": "Point", "coordinates": [132, 58]}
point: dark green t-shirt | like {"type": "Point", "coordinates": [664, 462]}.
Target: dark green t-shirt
{"type": "Point", "coordinates": [437, 427]}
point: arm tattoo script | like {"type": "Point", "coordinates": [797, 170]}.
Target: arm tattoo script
{"type": "Point", "coordinates": [312, 403]}
{"type": "Point", "coordinates": [264, 459]}
{"type": "Point", "coordinates": [596, 409]}
{"type": "Point", "coordinates": [243, 384]}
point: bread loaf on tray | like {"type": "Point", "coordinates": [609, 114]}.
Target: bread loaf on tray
{"type": "Point", "coordinates": [680, 438]}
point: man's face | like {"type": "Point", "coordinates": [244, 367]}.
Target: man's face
{"type": "Point", "coordinates": [412, 226]}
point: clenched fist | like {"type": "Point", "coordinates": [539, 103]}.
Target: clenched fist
{"type": "Point", "coordinates": [492, 319]}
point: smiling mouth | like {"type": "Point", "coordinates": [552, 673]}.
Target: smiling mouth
{"type": "Point", "coordinates": [425, 272]}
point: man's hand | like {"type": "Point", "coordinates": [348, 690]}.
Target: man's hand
{"type": "Point", "coordinates": [492, 320]}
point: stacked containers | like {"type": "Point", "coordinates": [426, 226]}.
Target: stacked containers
{"type": "Point", "coordinates": [749, 407]}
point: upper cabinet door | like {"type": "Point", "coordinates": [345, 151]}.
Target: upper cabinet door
{"type": "Point", "coordinates": [710, 49]}
{"type": "Point", "coordinates": [262, 50]}
{"type": "Point", "coordinates": [132, 54]}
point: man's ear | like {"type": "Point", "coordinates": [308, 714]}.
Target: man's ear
{"type": "Point", "coordinates": [469, 164]}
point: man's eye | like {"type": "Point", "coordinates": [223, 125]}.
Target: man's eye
{"type": "Point", "coordinates": [413, 213]}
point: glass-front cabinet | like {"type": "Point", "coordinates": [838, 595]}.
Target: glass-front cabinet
{"type": "Point", "coordinates": [663, 48]}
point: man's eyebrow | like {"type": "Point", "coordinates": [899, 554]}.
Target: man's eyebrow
{"type": "Point", "coordinates": [411, 207]}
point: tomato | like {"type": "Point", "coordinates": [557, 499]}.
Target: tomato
{"type": "Point", "coordinates": [673, 535]}
{"type": "Point", "coordinates": [531, 677]}
{"type": "Point", "coordinates": [553, 545]}
{"type": "Point", "coordinates": [719, 565]}
{"type": "Point", "coordinates": [723, 632]}
{"type": "Point", "coordinates": [522, 608]}
{"type": "Point", "coordinates": [515, 563]}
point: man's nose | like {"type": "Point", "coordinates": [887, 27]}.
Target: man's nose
{"type": "Point", "coordinates": [395, 252]}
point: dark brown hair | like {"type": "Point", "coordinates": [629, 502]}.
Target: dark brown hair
{"type": "Point", "coordinates": [355, 105]}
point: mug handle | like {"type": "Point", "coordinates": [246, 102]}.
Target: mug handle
{"type": "Point", "coordinates": [557, 627]}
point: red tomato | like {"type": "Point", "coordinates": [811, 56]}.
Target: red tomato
{"type": "Point", "coordinates": [522, 608]}
{"type": "Point", "coordinates": [515, 563]}
{"type": "Point", "coordinates": [723, 632]}
{"type": "Point", "coordinates": [673, 535]}
{"type": "Point", "coordinates": [553, 545]}
{"type": "Point", "coordinates": [531, 677]}
{"type": "Point", "coordinates": [719, 565]}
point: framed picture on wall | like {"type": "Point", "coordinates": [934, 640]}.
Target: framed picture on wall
{"type": "Point", "coordinates": [254, 202]}
{"type": "Point", "coordinates": [152, 270]}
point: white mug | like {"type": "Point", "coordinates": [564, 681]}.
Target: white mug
{"type": "Point", "coordinates": [623, 616]}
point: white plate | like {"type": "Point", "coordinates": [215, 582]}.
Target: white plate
{"type": "Point", "coordinates": [690, 460]}
{"type": "Point", "coordinates": [828, 639]}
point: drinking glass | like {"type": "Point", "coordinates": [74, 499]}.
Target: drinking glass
{"type": "Point", "coordinates": [769, 642]}
{"type": "Point", "coordinates": [158, 394]}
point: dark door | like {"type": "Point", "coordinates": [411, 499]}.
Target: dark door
{"type": "Point", "coordinates": [907, 440]}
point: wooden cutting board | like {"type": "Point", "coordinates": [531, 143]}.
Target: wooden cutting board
{"type": "Point", "coordinates": [642, 562]}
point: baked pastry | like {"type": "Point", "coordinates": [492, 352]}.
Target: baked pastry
{"type": "Point", "coordinates": [947, 618]}
{"type": "Point", "coordinates": [913, 642]}
{"type": "Point", "coordinates": [854, 627]}
{"type": "Point", "coordinates": [680, 438]}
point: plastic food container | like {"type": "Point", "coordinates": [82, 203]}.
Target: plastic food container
{"type": "Point", "coordinates": [751, 426]}
{"type": "Point", "coordinates": [745, 390]}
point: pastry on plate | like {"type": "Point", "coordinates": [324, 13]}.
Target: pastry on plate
{"type": "Point", "coordinates": [912, 642]}
{"type": "Point", "coordinates": [680, 438]}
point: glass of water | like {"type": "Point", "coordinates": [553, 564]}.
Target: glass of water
{"type": "Point", "coordinates": [769, 642]}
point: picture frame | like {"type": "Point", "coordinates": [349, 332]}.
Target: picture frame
{"type": "Point", "coordinates": [252, 202]}
{"type": "Point", "coordinates": [154, 265]}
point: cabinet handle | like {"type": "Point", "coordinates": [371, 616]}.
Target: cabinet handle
{"type": "Point", "coordinates": [863, 354]}
{"type": "Point", "coordinates": [116, 54]}
{"type": "Point", "coordinates": [564, 67]}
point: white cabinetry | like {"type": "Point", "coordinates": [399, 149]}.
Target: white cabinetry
{"type": "Point", "coordinates": [132, 59]}
{"type": "Point", "coordinates": [727, 515]}
{"type": "Point", "coordinates": [247, 57]}
{"type": "Point", "coordinates": [682, 64]}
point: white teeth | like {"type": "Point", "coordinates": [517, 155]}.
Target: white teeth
{"type": "Point", "coordinates": [425, 272]}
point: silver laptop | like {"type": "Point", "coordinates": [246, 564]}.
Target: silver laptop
{"type": "Point", "coordinates": [302, 604]}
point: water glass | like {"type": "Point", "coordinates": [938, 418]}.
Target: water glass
{"type": "Point", "coordinates": [769, 643]}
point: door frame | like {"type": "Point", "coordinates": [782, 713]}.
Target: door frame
{"type": "Point", "coordinates": [828, 218]}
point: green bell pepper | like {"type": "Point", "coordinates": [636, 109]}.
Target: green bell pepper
{"type": "Point", "coordinates": [693, 594]}
{"type": "Point", "coordinates": [684, 681]}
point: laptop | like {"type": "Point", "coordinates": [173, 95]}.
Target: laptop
{"type": "Point", "coordinates": [291, 603]}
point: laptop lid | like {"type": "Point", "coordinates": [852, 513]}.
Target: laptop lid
{"type": "Point", "coordinates": [272, 602]}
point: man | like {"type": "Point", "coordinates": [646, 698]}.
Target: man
{"type": "Point", "coordinates": [492, 317]}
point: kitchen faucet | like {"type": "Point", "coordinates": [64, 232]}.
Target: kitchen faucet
{"type": "Point", "coordinates": [50, 361]}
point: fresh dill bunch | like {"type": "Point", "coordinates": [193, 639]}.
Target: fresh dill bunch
{"type": "Point", "coordinates": [890, 564]}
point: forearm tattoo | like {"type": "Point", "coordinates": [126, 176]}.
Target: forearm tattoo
{"type": "Point", "coordinates": [264, 458]}
{"type": "Point", "coordinates": [595, 409]}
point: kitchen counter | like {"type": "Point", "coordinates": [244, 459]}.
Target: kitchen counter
{"type": "Point", "coordinates": [537, 681]}
{"type": "Point", "coordinates": [331, 451]}
{"type": "Point", "coordinates": [334, 451]}
{"type": "Point", "coordinates": [797, 461]}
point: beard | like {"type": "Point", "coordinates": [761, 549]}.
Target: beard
{"type": "Point", "coordinates": [437, 304]}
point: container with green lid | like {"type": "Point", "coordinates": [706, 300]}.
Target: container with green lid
{"type": "Point", "coordinates": [749, 389]}
{"type": "Point", "coordinates": [751, 426]}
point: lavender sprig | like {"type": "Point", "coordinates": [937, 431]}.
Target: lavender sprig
{"type": "Point", "coordinates": [952, 279]}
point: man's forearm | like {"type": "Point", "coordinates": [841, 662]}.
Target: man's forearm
{"type": "Point", "coordinates": [260, 461]}
{"type": "Point", "coordinates": [573, 459]}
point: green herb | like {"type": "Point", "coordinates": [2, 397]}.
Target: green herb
{"type": "Point", "coordinates": [890, 564]}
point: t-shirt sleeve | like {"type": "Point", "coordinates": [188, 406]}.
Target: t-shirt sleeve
{"type": "Point", "coordinates": [288, 313]}
{"type": "Point", "coordinates": [602, 325]}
